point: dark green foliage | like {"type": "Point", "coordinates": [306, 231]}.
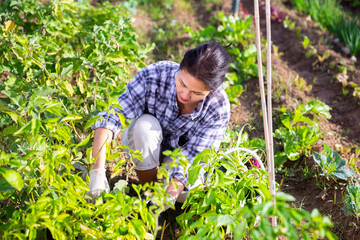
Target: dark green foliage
{"type": "Point", "coordinates": [332, 165]}
{"type": "Point", "coordinates": [329, 14]}
{"type": "Point", "coordinates": [299, 132]}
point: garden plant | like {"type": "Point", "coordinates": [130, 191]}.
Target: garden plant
{"type": "Point", "coordinates": [63, 61]}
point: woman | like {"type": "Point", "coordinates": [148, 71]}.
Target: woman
{"type": "Point", "coordinates": [172, 106]}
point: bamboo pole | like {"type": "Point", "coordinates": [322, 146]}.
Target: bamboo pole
{"type": "Point", "coordinates": [267, 133]}
{"type": "Point", "coordinates": [269, 103]}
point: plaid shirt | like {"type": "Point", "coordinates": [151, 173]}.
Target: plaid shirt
{"type": "Point", "coordinates": [153, 91]}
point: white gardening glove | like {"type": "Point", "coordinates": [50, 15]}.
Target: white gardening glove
{"type": "Point", "coordinates": [170, 199]}
{"type": "Point", "coordinates": [166, 206]}
{"type": "Point", "coordinates": [98, 182]}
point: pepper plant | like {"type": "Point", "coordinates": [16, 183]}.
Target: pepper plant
{"type": "Point", "coordinates": [236, 203]}
{"type": "Point", "coordinates": [62, 62]}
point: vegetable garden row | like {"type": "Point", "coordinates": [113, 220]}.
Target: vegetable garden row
{"type": "Point", "coordinates": [63, 61]}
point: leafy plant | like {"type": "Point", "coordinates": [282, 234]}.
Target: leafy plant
{"type": "Point", "coordinates": [331, 164]}
{"type": "Point", "coordinates": [305, 42]}
{"type": "Point", "coordinates": [329, 14]}
{"type": "Point", "coordinates": [288, 23]}
{"type": "Point", "coordinates": [298, 131]}
{"type": "Point", "coordinates": [61, 62]}
{"type": "Point", "coordinates": [236, 202]}
{"type": "Point", "coordinates": [348, 31]}
{"type": "Point", "coordinates": [352, 200]}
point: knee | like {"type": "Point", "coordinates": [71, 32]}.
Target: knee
{"type": "Point", "coordinates": [147, 128]}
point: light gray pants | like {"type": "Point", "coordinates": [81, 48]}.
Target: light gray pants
{"type": "Point", "coordinates": [144, 134]}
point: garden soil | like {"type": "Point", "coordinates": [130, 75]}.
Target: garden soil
{"type": "Point", "coordinates": [341, 132]}
{"type": "Point", "coordinates": [296, 79]}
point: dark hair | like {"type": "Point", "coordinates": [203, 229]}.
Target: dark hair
{"type": "Point", "coordinates": [208, 62]}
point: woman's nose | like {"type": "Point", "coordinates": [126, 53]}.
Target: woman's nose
{"type": "Point", "coordinates": [186, 94]}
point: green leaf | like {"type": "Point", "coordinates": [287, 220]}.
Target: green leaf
{"type": "Point", "coordinates": [266, 229]}
{"type": "Point", "coordinates": [343, 174]}
{"type": "Point", "coordinates": [35, 126]}
{"type": "Point", "coordinates": [14, 116]}
{"type": "Point", "coordinates": [66, 70]}
{"type": "Point", "coordinates": [286, 121]}
{"type": "Point", "coordinates": [119, 186]}
{"type": "Point", "coordinates": [281, 196]}
{"type": "Point", "coordinates": [292, 150]}
{"type": "Point", "coordinates": [6, 187]}
{"type": "Point", "coordinates": [3, 107]}
{"type": "Point", "coordinates": [224, 220]}
{"type": "Point", "coordinates": [194, 171]}
{"type": "Point", "coordinates": [317, 158]}
{"type": "Point", "coordinates": [13, 178]}
{"type": "Point", "coordinates": [305, 42]}
{"type": "Point", "coordinates": [137, 228]}
{"type": "Point", "coordinates": [68, 89]}
{"type": "Point", "coordinates": [57, 68]}
{"type": "Point", "coordinates": [234, 92]}
{"type": "Point", "coordinates": [63, 133]}
{"type": "Point", "coordinates": [71, 117]}
{"type": "Point", "coordinates": [122, 119]}
{"type": "Point", "coordinates": [84, 142]}
{"type": "Point", "coordinates": [240, 231]}
{"type": "Point", "coordinates": [210, 198]}
{"type": "Point", "coordinates": [44, 91]}
{"type": "Point", "coordinates": [280, 158]}
{"type": "Point", "coordinates": [25, 128]}
{"type": "Point", "coordinates": [91, 121]}
{"type": "Point", "coordinates": [16, 98]}
{"type": "Point", "coordinates": [320, 108]}
{"type": "Point", "coordinates": [221, 220]}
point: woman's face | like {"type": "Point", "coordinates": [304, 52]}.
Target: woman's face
{"type": "Point", "coordinates": [189, 90]}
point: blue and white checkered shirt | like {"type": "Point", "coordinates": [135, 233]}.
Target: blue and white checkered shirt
{"type": "Point", "coordinates": [153, 91]}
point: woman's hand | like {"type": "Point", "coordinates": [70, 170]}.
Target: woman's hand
{"type": "Point", "coordinates": [175, 188]}
{"type": "Point", "coordinates": [98, 181]}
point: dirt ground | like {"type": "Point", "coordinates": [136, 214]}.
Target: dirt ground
{"type": "Point", "coordinates": [290, 66]}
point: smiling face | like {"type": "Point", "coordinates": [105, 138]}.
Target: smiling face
{"type": "Point", "coordinates": [189, 90]}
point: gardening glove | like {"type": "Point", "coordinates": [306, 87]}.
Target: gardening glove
{"type": "Point", "coordinates": [98, 182]}
{"type": "Point", "coordinates": [150, 202]}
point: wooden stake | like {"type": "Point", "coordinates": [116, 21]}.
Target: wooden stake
{"type": "Point", "coordinates": [267, 130]}
{"type": "Point", "coordinates": [269, 103]}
